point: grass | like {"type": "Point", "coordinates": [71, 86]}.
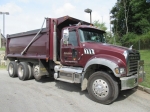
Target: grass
{"type": "Point", "coordinates": [2, 49]}
{"type": "Point", "coordinates": [2, 67]}
{"type": "Point", "coordinates": [145, 55]}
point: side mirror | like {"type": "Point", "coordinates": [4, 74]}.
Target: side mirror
{"type": "Point", "coordinates": [65, 36]}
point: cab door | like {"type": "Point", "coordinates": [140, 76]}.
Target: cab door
{"type": "Point", "coordinates": [70, 49]}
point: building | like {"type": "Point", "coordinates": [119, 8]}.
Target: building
{"type": "Point", "coordinates": [2, 40]}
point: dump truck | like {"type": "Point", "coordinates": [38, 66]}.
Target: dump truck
{"type": "Point", "coordinates": [74, 51]}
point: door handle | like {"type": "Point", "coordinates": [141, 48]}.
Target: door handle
{"type": "Point", "coordinates": [80, 57]}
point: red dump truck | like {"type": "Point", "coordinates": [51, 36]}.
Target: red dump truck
{"type": "Point", "coordinates": [74, 51]}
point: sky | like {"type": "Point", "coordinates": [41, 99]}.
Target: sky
{"type": "Point", "coordinates": [25, 15]}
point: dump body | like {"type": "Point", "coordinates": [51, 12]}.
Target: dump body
{"type": "Point", "coordinates": [39, 49]}
{"type": "Point", "coordinates": [42, 46]}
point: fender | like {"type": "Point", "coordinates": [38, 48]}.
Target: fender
{"type": "Point", "coordinates": [106, 60]}
{"type": "Point", "coordinates": [101, 61]}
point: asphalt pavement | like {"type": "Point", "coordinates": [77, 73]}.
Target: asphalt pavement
{"type": "Point", "coordinates": [49, 95]}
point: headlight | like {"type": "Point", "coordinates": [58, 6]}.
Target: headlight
{"type": "Point", "coordinates": [120, 70]}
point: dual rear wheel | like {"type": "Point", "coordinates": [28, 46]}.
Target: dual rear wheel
{"type": "Point", "coordinates": [12, 69]}
{"type": "Point", "coordinates": [23, 70]}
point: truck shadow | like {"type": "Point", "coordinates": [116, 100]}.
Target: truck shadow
{"type": "Point", "coordinates": [46, 80]}
{"type": "Point", "coordinates": [70, 87]}
{"type": "Point", "coordinates": [77, 88]}
{"type": "Point", "coordinates": [65, 86]}
{"type": "Point", "coordinates": [124, 94]}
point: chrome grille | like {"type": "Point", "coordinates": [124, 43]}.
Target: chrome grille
{"type": "Point", "coordinates": [133, 63]}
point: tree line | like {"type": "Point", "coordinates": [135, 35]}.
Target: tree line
{"type": "Point", "coordinates": [130, 21]}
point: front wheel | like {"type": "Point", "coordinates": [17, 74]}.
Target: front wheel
{"type": "Point", "coordinates": [102, 87]}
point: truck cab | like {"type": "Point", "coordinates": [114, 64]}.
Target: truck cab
{"type": "Point", "coordinates": [87, 58]}
{"type": "Point", "coordinates": [75, 48]}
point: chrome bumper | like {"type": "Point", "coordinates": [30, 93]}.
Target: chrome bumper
{"type": "Point", "coordinates": [132, 81]}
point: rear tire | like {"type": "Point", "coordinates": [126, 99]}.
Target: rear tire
{"type": "Point", "coordinates": [102, 87]}
{"type": "Point", "coordinates": [36, 72]}
{"type": "Point", "coordinates": [12, 69]}
{"type": "Point", "coordinates": [30, 67]}
{"type": "Point", "coordinates": [23, 71]}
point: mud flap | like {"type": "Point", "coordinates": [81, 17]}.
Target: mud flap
{"type": "Point", "coordinates": [44, 67]}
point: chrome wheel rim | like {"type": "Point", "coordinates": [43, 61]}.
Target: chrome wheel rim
{"type": "Point", "coordinates": [36, 70]}
{"type": "Point", "coordinates": [11, 69]}
{"type": "Point", "coordinates": [100, 88]}
{"type": "Point", "coordinates": [20, 71]}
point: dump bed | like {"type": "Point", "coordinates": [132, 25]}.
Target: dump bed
{"type": "Point", "coordinates": [42, 46]}
{"type": "Point", "coordinates": [16, 43]}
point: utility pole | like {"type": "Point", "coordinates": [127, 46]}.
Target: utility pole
{"type": "Point", "coordinates": [139, 45]}
{"type": "Point", "coordinates": [0, 39]}
{"type": "Point", "coordinates": [110, 22]}
{"type": "Point", "coordinates": [3, 13]}
{"type": "Point", "coordinates": [110, 28]}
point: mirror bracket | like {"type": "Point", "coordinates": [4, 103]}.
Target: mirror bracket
{"type": "Point", "coordinates": [65, 36]}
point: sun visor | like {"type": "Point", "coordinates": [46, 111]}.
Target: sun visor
{"type": "Point", "coordinates": [67, 21]}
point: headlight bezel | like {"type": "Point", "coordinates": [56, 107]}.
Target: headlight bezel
{"type": "Point", "coordinates": [120, 70]}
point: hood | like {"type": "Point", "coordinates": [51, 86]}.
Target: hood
{"type": "Point", "coordinates": [117, 47]}
{"type": "Point", "coordinates": [104, 47]}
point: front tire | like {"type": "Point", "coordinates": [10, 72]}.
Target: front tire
{"type": "Point", "coordinates": [102, 87]}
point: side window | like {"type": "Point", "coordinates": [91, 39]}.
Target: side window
{"type": "Point", "coordinates": [73, 38]}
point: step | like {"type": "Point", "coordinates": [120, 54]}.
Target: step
{"type": "Point", "coordinates": [64, 80]}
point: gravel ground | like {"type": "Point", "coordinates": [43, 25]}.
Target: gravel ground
{"type": "Point", "coordinates": [54, 96]}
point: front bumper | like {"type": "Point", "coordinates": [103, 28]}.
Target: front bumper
{"type": "Point", "coordinates": [132, 81]}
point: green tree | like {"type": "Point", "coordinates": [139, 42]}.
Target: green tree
{"type": "Point", "coordinates": [130, 16]}
{"type": "Point", "coordinates": [141, 16]}
{"type": "Point", "coordinates": [120, 17]}
{"type": "Point", "coordinates": [130, 21]}
{"type": "Point", "coordinates": [99, 25]}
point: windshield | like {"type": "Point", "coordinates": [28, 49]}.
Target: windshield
{"type": "Point", "coordinates": [91, 35]}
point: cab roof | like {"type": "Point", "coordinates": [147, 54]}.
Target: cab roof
{"type": "Point", "coordinates": [66, 21]}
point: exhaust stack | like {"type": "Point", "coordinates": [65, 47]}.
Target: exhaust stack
{"type": "Point", "coordinates": [55, 45]}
